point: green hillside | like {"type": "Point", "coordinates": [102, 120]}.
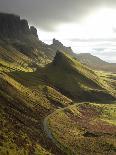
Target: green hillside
{"type": "Point", "coordinates": [22, 110]}
{"type": "Point", "coordinates": [28, 96]}
{"type": "Point", "coordinates": [76, 80]}
{"type": "Point", "coordinates": [38, 115]}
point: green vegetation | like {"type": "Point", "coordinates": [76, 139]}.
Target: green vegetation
{"type": "Point", "coordinates": [37, 111]}
{"type": "Point", "coordinates": [85, 128]}
{"type": "Point", "coordinates": [28, 96]}
{"type": "Point", "coordinates": [24, 109]}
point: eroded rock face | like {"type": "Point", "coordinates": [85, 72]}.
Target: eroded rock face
{"type": "Point", "coordinates": [24, 26]}
{"type": "Point", "coordinates": [57, 43]}
{"type": "Point", "coordinates": [11, 26]}
{"type": "Point", "coordinates": [34, 31]}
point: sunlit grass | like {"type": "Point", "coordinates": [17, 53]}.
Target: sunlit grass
{"type": "Point", "coordinates": [69, 127]}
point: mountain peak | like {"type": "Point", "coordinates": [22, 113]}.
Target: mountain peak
{"type": "Point", "coordinates": [59, 46]}
{"type": "Point", "coordinates": [57, 42]}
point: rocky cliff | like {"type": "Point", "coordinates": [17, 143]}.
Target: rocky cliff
{"type": "Point", "coordinates": [12, 26]}
{"type": "Point", "coordinates": [17, 35]}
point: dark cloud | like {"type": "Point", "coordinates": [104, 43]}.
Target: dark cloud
{"type": "Point", "coordinates": [47, 14]}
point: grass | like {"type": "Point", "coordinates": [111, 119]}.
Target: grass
{"type": "Point", "coordinates": [24, 104]}
{"type": "Point", "coordinates": [86, 128]}
{"type": "Point", "coordinates": [23, 111]}
{"type": "Point", "coordinates": [12, 60]}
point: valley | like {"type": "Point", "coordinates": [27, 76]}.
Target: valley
{"type": "Point", "coordinates": [50, 103]}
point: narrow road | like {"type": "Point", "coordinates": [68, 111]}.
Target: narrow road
{"type": "Point", "coordinates": [49, 133]}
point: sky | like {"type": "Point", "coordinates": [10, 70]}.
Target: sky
{"type": "Point", "coordinates": [88, 26]}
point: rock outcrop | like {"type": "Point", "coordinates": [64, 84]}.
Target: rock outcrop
{"type": "Point", "coordinates": [57, 45]}
{"type": "Point", "coordinates": [34, 31]}
{"type": "Point", "coordinates": [12, 26]}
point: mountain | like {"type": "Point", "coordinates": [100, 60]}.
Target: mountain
{"type": "Point", "coordinates": [95, 62]}
{"type": "Point", "coordinates": [85, 58]}
{"type": "Point", "coordinates": [16, 35]}
{"type": "Point", "coordinates": [42, 91]}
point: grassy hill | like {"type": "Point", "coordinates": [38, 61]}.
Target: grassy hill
{"type": "Point", "coordinates": [76, 80]}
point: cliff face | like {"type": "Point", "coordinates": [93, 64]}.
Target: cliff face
{"type": "Point", "coordinates": [16, 35]}
{"type": "Point", "coordinates": [34, 31]}
{"type": "Point", "coordinates": [12, 26]}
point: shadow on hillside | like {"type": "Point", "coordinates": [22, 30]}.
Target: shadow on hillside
{"type": "Point", "coordinates": [47, 76]}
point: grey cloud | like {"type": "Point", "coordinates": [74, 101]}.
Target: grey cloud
{"type": "Point", "coordinates": [47, 14]}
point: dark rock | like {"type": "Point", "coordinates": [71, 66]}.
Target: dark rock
{"type": "Point", "coordinates": [34, 31]}
{"type": "Point", "coordinates": [90, 134]}
{"type": "Point", "coordinates": [24, 26]}
{"type": "Point", "coordinates": [59, 46]}
{"type": "Point", "coordinates": [57, 43]}
{"type": "Point", "coordinates": [11, 26]}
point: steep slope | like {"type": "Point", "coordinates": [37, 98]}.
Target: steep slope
{"type": "Point", "coordinates": [12, 59]}
{"type": "Point", "coordinates": [75, 80]}
{"type": "Point", "coordinates": [24, 102]}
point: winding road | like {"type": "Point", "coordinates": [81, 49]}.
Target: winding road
{"type": "Point", "coordinates": [49, 133]}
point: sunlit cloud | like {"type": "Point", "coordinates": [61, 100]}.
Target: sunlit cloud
{"type": "Point", "coordinates": [94, 34]}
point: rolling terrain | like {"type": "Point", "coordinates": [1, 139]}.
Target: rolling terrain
{"type": "Point", "coordinates": [43, 95]}
{"type": "Point", "coordinates": [85, 128]}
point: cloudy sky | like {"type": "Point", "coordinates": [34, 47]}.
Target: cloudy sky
{"type": "Point", "coordinates": [85, 25]}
